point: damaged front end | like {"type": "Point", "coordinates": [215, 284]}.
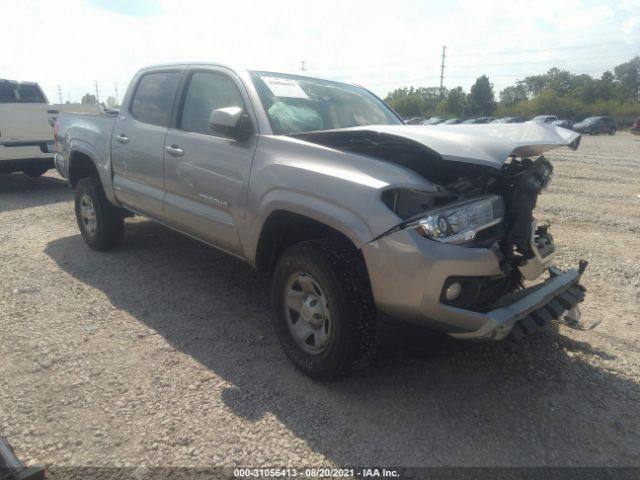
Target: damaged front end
{"type": "Point", "coordinates": [494, 210]}
{"type": "Point", "coordinates": [469, 258]}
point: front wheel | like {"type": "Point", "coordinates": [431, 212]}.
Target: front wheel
{"type": "Point", "coordinates": [101, 224]}
{"type": "Point", "coordinates": [323, 310]}
{"type": "Point", "coordinates": [612, 131]}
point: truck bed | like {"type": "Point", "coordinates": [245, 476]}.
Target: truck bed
{"type": "Point", "coordinates": [86, 133]}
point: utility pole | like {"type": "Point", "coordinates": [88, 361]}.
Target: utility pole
{"type": "Point", "coordinates": [116, 89]}
{"type": "Point", "coordinates": [60, 93]}
{"type": "Point", "coordinates": [302, 65]}
{"type": "Point", "coordinates": [444, 49]}
{"type": "Point", "coordinates": [97, 92]}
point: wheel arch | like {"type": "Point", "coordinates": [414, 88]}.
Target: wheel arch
{"type": "Point", "coordinates": [84, 161]}
{"type": "Point", "coordinates": [283, 228]}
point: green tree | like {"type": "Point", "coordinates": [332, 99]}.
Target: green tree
{"type": "Point", "coordinates": [430, 98]}
{"type": "Point", "coordinates": [111, 102]}
{"type": "Point", "coordinates": [481, 99]}
{"type": "Point", "coordinates": [89, 99]}
{"type": "Point", "coordinates": [628, 74]}
{"type": "Point", "coordinates": [456, 102]}
{"type": "Point", "coordinates": [407, 106]}
{"type": "Point", "coordinates": [399, 93]}
{"type": "Point", "coordinates": [511, 96]}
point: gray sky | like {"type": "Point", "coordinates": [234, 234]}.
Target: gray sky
{"type": "Point", "coordinates": [379, 44]}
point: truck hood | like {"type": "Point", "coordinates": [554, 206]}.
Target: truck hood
{"type": "Point", "coordinates": [487, 145]}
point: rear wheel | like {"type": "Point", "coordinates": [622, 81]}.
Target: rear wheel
{"type": "Point", "coordinates": [323, 310]}
{"type": "Point", "coordinates": [101, 224]}
{"type": "Point", "coordinates": [592, 131]}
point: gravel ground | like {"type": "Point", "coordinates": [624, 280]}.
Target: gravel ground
{"type": "Point", "coordinates": [161, 353]}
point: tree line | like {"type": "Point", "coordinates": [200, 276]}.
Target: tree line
{"type": "Point", "coordinates": [557, 91]}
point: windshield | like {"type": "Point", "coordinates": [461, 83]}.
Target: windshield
{"type": "Point", "coordinates": [296, 104]}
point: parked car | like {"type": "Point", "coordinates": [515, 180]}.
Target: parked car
{"type": "Point", "coordinates": [546, 118]}
{"type": "Point", "coordinates": [356, 215]}
{"type": "Point", "coordinates": [452, 121]}
{"type": "Point", "coordinates": [433, 121]}
{"type": "Point", "coordinates": [508, 120]}
{"type": "Point", "coordinates": [26, 138]}
{"type": "Point", "coordinates": [635, 128]}
{"type": "Point", "coordinates": [414, 121]}
{"type": "Point", "coordinates": [563, 123]}
{"type": "Point", "coordinates": [595, 125]}
{"type": "Point", "coordinates": [478, 120]}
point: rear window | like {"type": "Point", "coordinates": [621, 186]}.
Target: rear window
{"type": "Point", "coordinates": [154, 96]}
{"type": "Point", "coordinates": [15, 92]}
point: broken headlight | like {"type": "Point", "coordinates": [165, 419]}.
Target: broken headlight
{"type": "Point", "coordinates": [460, 222]}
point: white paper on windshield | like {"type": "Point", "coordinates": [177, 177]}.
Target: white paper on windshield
{"type": "Point", "coordinates": [284, 87]}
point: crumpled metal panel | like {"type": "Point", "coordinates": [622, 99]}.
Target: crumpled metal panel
{"type": "Point", "coordinates": [485, 144]}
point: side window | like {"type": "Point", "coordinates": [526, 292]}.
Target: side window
{"type": "Point", "coordinates": [206, 92]}
{"type": "Point", "coordinates": [30, 93]}
{"type": "Point", "coordinates": [8, 92]}
{"type": "Point", "coordinates": [154, 96]}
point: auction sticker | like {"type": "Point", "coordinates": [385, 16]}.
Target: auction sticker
{"type": "Point", "coordinates": [284, 87]}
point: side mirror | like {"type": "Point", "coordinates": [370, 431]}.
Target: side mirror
{"type": "Point", "coordinates": [231, 122]}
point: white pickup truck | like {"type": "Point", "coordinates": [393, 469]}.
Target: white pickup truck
{"type": "Point", "coordinates": [26, 136]}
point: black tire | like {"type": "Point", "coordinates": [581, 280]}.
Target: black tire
{"type": "Point", "coordinates": [340, 271]}
{"type": "Point", "coordinates": [612, 131]}
{"type": "Point", "coordinates": [593, 132]}
{"type": "Point", "coordinates": [35, 172]}
{"type": "Point", "coordinates": [109, 220]}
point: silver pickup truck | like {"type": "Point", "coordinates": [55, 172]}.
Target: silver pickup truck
{"type": "Point", "coordinates": [358, 216]}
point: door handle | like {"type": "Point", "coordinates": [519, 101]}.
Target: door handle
{"type": "Point", "coordinates": [174, 150]}
{"type": "Point", "coordinates": [122, 138]}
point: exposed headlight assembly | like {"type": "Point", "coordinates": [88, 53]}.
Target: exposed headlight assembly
{"type": "Point", "coordinates": [460, 222]}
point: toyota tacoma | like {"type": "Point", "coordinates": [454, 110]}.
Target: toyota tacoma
{"type": "Point", "coordinates": [357, 216]}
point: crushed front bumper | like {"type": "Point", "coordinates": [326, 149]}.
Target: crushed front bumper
{"type": "Point", "coordinates": [408, 274]}
{"type": "Point", "coordinates": [532, 308]}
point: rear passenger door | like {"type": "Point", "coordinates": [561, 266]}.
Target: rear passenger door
{"type": "Point", "coordinates": [137, 144]}
{"type": "Point", "coordinates": [206, 174]}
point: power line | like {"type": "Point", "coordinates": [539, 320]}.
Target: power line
{"type": "Point", "coordinates": [400, 80]}
{"type": "Point", "coordinates": [528, 62]}
{"type": "Point", "coordinates": [416, 61]}
{"type": "Point", "coordinates": [517, 52]}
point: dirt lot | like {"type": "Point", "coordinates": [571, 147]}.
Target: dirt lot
{"type": "Point", "coordinates": [161, 352]}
